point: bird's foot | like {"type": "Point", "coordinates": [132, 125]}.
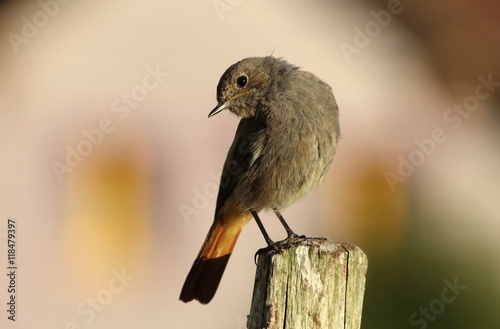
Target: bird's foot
{"type": "Point", "coordinates": [295, 236]}
{"type": "Point", "coordinates": [278, 246]}
{"type": "Point", "coordinates": [272, 247]}
{"type": "Point", "coordinates": [291, 239]}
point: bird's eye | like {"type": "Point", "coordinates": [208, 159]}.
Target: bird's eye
{"type": "Point", "coordinates": [242, 80]}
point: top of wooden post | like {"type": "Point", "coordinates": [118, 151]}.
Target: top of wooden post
{"type": "Point", "coordinates": [311, 283]}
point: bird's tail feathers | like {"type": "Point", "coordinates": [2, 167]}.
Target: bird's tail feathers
{"type": "Point", "coordinates": [205, 274]}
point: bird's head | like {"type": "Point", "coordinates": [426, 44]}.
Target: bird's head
{"type": "Point", "coordinates": [246, 85]}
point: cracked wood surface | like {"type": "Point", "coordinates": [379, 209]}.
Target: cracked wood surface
{"type": "Point", "coordinates": [312, 283]}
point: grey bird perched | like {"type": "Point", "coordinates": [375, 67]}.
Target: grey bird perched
{"type": "Point", "coordinates": [281, 152]}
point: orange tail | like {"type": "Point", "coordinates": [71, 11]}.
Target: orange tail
{"type": "Point", "coordinates": [206, 272]}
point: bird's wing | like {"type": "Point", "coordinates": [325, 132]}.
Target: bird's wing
{"type": "Point", "coordinates": [243, 153]}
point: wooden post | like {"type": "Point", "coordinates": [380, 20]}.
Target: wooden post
{"type": "Point", "coordinates": [313, 283]}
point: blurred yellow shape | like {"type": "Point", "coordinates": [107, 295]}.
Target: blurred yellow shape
{"type": "Point", "coordinates": [107, 214]}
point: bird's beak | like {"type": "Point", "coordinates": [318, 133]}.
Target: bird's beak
{"type": "Point", "coordinates": [221, 106]}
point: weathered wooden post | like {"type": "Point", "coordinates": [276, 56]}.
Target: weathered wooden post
{"type": "Point", "coordinates": [312, 283]}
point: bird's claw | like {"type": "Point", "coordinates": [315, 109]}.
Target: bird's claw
{"type": "Point", "coordinates": [270, 248]}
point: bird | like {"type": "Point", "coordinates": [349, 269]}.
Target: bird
{"type": "Point", "coordinates": [283, 147]}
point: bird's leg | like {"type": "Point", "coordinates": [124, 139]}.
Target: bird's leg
{"type": "Point", "coordinates": [271, 245]}
{"type": "Point", "coordinates": [262, 229]}
{"type": "Point", "coordinates": [289, 231]}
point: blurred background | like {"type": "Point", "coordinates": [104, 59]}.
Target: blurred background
{"type": "Point", "coordinates": [110, 166]}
